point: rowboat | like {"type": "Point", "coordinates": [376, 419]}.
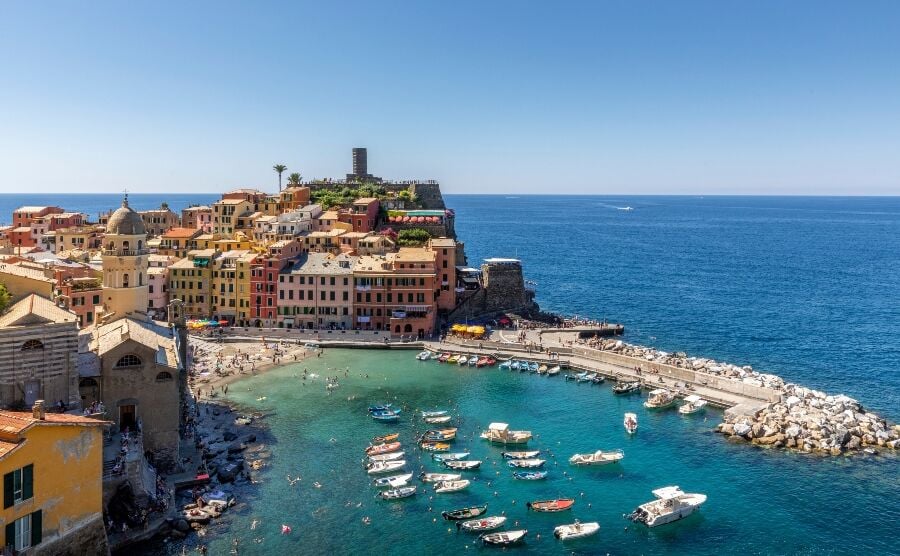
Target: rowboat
{"type": "Point", "coordinates": [439, 477]}
{"type": "Point", "coordinates": [424, 356]}
{"type": "Point", "coordinates": [660, 399]}
{"type": "Point", "coordinates": [597, 458]}
{"type": "Point", "coordinates": [386, 457]}
{"type": "Point", "coordinates": [435, 356]}
{"type": "Point", "coordinates": [692, 404]}
{"type": "Point", "coordinates": [380, 408]}
{"type": "Point", "coordinates": [500, 433]}
{"type": "Point", "coordinates": [452, 359]}
{"type": "Point", "coordinates": [553, 371]}
{"type": "Point", "coordinates": [630, 422]}
{"type": "Point", "coordinates": [505, 366]}
{"type": "Point", "coordinates": [483, 361]}
{"type": "Point", "coordinates": [427, 414]}
{"type": "Point", "coordinates": [444, 357]}
{"type": "Point", "coordinates": [491, 361]}
{"type": "Point", "coordinates": [380, 467]}
{"type": "Point", "coordinates": [462, 360]}
{"type": "Point", "coordinates": [627, 387]}
{"type": "Point", "coordinates": [438, 420]}
{"type": "Point", "coordinates": [526, 463]}
{"type": "Point", "coordinates": [530, 475]}
{"type": "Point", "coordinates": [514, 365]}
{"type": "Point", "coordinates": [473, 361]}
{"type": "Point", "coordinates": [533, 367]}
{"type": "Point", "coordinates": [440, 434]}
{"type": "Point", "coordinates": [558, 505]}
{"type": "Point", "coordinates": [382, 448]}
{"type": "Point", "coordinates": [464, 513]}
{"type": "Point", "coordinates": [520, 455]}
{"type": "Point", "coordinates": [385, 438]}
{"type": "Point", "coordinates": [397, 493]}
{"type": "Point", "coordinates": [462, 464]}
{"type": "Point", "coordinates": [504, 538]}
{"type": "Point", "coordinates": [542, 369]}
{"type": "Point", "coordinates": [482, 524]}
{"type": "Point", "coordinates": [393, 480]}
{"type": "Point", "coordinates": [435, 446]}
{"type": "Point", "coordinates": [454, 456]}
{"type": "Point", "coordinates": [451, 486]}
{"type": "Point", "coordinates": [576, 530]}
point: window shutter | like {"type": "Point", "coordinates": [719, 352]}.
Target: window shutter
{"type": "Point", "coordinates": [7, 491]}
{"type": "Point", "coordinates": [37, 527]}
{"type": "Point", "coordinates": [27, 482]}
{"type": "Point", "coordinates": [10, 534]}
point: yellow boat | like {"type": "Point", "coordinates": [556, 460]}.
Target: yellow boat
{"type": "Point", "coordinates": [385, 438]}
{"type": "Point", "coordinates": [435, 446]}
{"type": "Point", "coordinates": [452, 359]}
{"type": "Point", "coordinates": [439, 435]}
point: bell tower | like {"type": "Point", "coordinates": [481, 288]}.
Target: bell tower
{"type": "Point", "coordinates": [125, 262]}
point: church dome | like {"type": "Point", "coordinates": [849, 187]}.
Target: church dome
{"type": "Point", "coordinates": [125, 221]}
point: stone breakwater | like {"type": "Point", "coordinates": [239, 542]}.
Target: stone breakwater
{"type": "Point", "coordinates": [803, 419]}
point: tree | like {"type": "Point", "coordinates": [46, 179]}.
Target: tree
{"type": "Point", "coordinates": [295, 179]}
{"type": "Point", "coordinates": [4, 298]}
{"type": "Point", "coordinates": [413, 237]}
{"type": "Point", "coordinates": [279, 169]}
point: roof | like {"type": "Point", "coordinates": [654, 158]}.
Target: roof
{"type": "Point", "coordinates": [107, 337]}
{"type": "Point", "coordinates": [498, 426]}
{"type": "Point", "coordinates": [323, 263]}
{"type": "Point", "coordinates": [37, 307]}
{"type": "Point", "coordinates": [418, 254]}
{"type": "Point", "coordinates": [17, 422]}
{"type": "Point", "coordinates": [22, 229]}
{"type": "Point", "coordinates": [364, 200]}
{"type": "Point", "coordinates": [181, 232]}
{"type": "Point", "coordinates": [196, 209]}
{"type": "Point", "coordinates": [443, 242]}
{"type": "Point", "coordinates": [32, 208]}
{"type": "Point", "coordinates": [500, 260]}
{"type": "Point", "coordinates": [329, 215]}
{"type": "Point", "coordinates": [125, 221]}
{"type": "Point", "coordinates": [232, 201]}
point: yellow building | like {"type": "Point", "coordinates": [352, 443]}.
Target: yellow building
{"type": "Point", "coordinates": [52, 467]}
{"type": "Point", "coordinates": [226, 213]}
{"type": "Point", "coordinates": [190, 280]}
{"type": "Point", "coordinates": [231, 286]}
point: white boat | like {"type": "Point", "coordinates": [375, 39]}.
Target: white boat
{"type": "Point", "coordinates": [504, 538]}
{"type": "Point", "coordinates": [576, 530]}
{"type": "Point", "coordinates": [597, 458]}
{"type": "Point", "coordinates": [671, 504]}
{"type": "Point", "coordinates": [692, 404]}
{"type": "Point", "coordinates": [530, 463]}
{"type": "Point", "coordinates": [463, 464]}
{"type": "Point", "coordinates": [439, 477]}
{"type": "Point", "coordinates": [424, 356]}
{"type": "Point", "coordinates": [500, 433]}
{"type": "Point", "coordinates": [393, 480]}
{"type": "Point", "coordinates": [630, 423]}
{"type": "Point", "coordinates": [440, 419]}
{"type": "Point", "coordinates": [482, 524]}
{"type": "Point", "coordinates": [520, 455]}
{"type": "Point", "coordinates": [450, 456]}
{"type": "Point", "coordinates": [553, 371]}
{"type": "Point", "coordinates": [380, 467]}
{"type": "Point", "coordinates": [451, 486]}
{"type": "Point", "coordinates": [659, 399]}
{"type": "Point", "coordinates": [395, 493]}
{"type": "Point", "coordinates": [473, 361]}
{"type": "Point", "coordinates": [462, 361]}
{"type": "Point", "coordinates": [435, 356]}
{"type": "Point", "coordinates": [386, 457]}
{"type": "Point", "coordinates": [439, 413]}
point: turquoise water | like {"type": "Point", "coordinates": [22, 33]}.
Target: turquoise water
{"type": "Point", "coordinates": [759, 502]}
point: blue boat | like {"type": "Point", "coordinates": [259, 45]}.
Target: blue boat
{"type": "Point", "coordinates": [505, 366]}
{"type": "Point", "coordinates": [386, 416]}
{"type": "Point", "coordinates": [385, 407]}
{"type": "Point", "coordinates": [514, 365]}
{"type": "Point", "coordinates": [533, 367]}
{"type": "Point", "coordinates": [530, 475]}
{"type": "Point", "coordinates": [386, 411]}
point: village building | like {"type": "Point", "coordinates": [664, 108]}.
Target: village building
{"type": "Point", "coordinates": [316, 292]}
{"type": "Point", "coordinates": [158, 221]}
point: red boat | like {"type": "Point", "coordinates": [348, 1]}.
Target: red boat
{"type": "Point", "coordinates": [382, 448]}
{"type": "Point", "coordinates": [558, 505]}
{"type": "Point", "coordinates": [443, 358]}
{"type": "Point", "coordinates": [482, 361]}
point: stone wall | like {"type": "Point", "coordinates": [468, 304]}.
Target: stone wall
{"type": "Point", "coordinates": [90, 538]}
{"type": "Point", "coordinates": [429, 195]}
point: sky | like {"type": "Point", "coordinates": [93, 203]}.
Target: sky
{"type": "Point", "coordinates": [600, 97]}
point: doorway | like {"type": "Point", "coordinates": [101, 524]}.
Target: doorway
{"type": "Point", "coordinates": [32, 392]}
{"type": "Point", "coordinates": [127, 417]}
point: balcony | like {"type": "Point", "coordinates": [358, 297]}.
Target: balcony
{"type": "Point", "coordinates": [125, 252]}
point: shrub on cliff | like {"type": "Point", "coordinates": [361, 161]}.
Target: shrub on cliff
{"type": "Point", "coordinates": [413, 237]}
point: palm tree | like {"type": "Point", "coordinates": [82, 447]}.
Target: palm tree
{"type": "Point", "coordinates": [279, 169]}
{"type": "Point", "coordinates": [295, 179]}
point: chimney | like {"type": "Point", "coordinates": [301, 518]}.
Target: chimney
{"type": "Point", "coordinates": [37, 411]}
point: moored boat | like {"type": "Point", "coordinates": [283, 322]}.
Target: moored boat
{"type": "Point", "coordinates": [452, 359]}
{"type": "Point", "coordinates": [429, 446]}
{"type": "Point", "coordinates": [439, 477]}
{"type": "Point", "coordinates": [692, 404]}
{"type": "Point", "coordinates": [631, 423]}
{"type": "Point", "coordinates": [435, 356]}
{"type": "Point", "coordinates": [440, 435]}
{"type": "Point", "coordinates": [542, 369]}
{"type": "Point", "coordinates": [397, 493]}
{"type": "Point", "coordinates": [386, 416]}
{"type": "Point", "coordinates": [557, 505]}
{"type": "Point", "coordinates": [520, 455]}
{"type": "Point", "coordinates": [385, 438]}
{"type": "Point", "coordinates": [597, 378]}
{"type": "Point", "coordinates": [530, 475]}
{"type": "Point", "coordinates": [504, 538]}
{"type": "Point", "coordinates": [444, 357]}
{"type": "Point", "coordinates": [453, 456]}
{"type": "Point", "coordinates": [451, 486]}
{"type": "Point", "coordinates": [380, 467]}
{"type": "Point", "coordinates": [393, 480]}
{"type": "Point", "coordinates": [463, 464]}
{"type": "Point", "coordinates": [514, 365]}
{"type": "Point", "coordinates": [380, 408]}
{"type": "Point", "coordinates": [500, 434]}
{"type": "Point", "coordinates": [597, 458]}
{"type": "Point", "coordinates": [629, 387]}
{"type": "Point", "coordinates": [576, 530]}
{"type": "Point", "coordinates": [462, 360]}
{"type": "Point", "coordinates": [473, 361]}
{"type": "Point", "coordinates": [437, 413]}
{"type": "Point", "coordinates": [440, 419]}
{"type": "Point", "coordinates": [532, 367]}
{"type": "Point", "coordinates": [553, 371]}
{"type": "Point", "coordinates": [482, 361]}
{"type": "Point", "coordinates": [424, 356]}
{"type": "Point", "coordinates": [481, 524]}
{"type": "Point", "coordinates": [382, 448]}
{"type": "Point", "coordinates": [505, 366]}
{"type": "Point", "coordinates": [386, 457]}
{"type": "Point", "coordinates": [660, 399]}
{"type": "Point", "coordinates": [464, 513]}
{"type": "Point", "coordinates": [532, 463]}
{"type": "Point", "coordinates": [671, 504]}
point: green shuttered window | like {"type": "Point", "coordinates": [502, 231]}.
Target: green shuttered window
{"type": "Point", "coordinates": [18, 485]}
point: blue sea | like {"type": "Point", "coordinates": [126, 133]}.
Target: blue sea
{"type": "Point", "coordinates": [805, 287]}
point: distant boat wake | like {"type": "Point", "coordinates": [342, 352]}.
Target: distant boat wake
{"type": "Point", "coordinates": [615, 207]}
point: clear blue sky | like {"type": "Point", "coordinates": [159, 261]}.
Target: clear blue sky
{"type": "Point", "coordinates": [759, 97]}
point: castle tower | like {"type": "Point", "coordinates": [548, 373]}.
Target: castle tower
{"type": "Point", "coordinates": [125, 262]}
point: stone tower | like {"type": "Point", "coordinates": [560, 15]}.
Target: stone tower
{"type": "Point", "coordinates": [125, 262]}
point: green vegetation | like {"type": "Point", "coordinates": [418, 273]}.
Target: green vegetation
{"type": "Point", "coordinates": [413, 237]}
{"type": "Point", "coordinates": [332, 197]}
{"type": "Point", "coordinates": [4, 298]}
{"type": "Point", "coordinates": [295, 178]}
{"type": "Point", "coordinates": [279, 169]}
{"type": "Point", "coordinates": [408, 196]}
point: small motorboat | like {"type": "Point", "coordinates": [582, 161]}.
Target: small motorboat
{"type": "Point", "coordinates": [558, 505]}
{"type": "Point", "coordinates": [464, 513]}
{"type": "Point", "coordinates": [584, 377]}
{"type": "Point", "coordinates": [533, 367]}
{"type": "Point", "coordinates": [577, 530]}
{"type": "Point", "coordinates": [439, 477]}
{"type": "Point", "coordinates": [500, 434]}
{"type": "Point", "coordinates": [481, 524]}
{"type": "Point", "coordinates": [473, 361]}
{"type": "Point", "coordinates": [532, 463]}
{"type": "Point", "coordinates": [660, 399]}
{"type": "Point", "coordinates": [692, 404]}
{"type": "Point", "coordinates": [444, 357]}
{"type": "Point", "coordinates": [440, 419]}
{"type": "Point", "coordinates": [440, 413]}
{"type": "Point", "coordinates": [380, 467]}
{"type": "Point", "coordinates": [424, 356]}
{"type": "Point", "coordinates": [530, 475]}
{"type": "Point", "coordinates": [440, 435]}
{"type": "Point", "coordinates": [671, 504]}
{"type": "Point", "coordinates": [380, 408]}
{"type": "Point", "coordinates": [385, 438]}
{"type": "Point", "coordinates": [553, 371]}
{"type": "Point", "coordinates": [542, 368]}
{"type": "Point", "coordinates": [382, 448]}
{"type": "Point", "coordinates": [462, 360]}
{"type": "Point", "coordinates": [451, 486]}
{"type": "Point", "coordinates": [429, 446]}
{"type": "Point", "coordinates": [630, 387]}
{"type": "Point", "coordinates": [520, 455]}
{"type": "Point", "coordinates": [598, 379]}
{"type": "Point", "coordinates": [630, 422]}
{"type": "Point", "coordinates": [514, 365]}
{"type": "Point", "coordinates": [463, 464]}
{"type": "Point", "coordinates": [386, 457]}
{"type": "Point", "coordinates": [482, 361]}
{"type": "Point", "coordinates": [435, 356]}
{"type": "Point", "coordinates": [452, 359]}
{"type": "Point", "coordinates": [505, 366]}
{"type": "Point", "coordinates": [393, 480]}
{"type": "Point", "coordinates": [597, 458]}
{"type": "Point", "coordinates": [386, 416]}
{"type": "Point", "coordinates": [453, 456]}
{"type": "Point", "coordinates": [504, 538]}
{"type": "Point", "coordinates": [397, 493]}
{"type": "Point", "coordinates": [491, 361]}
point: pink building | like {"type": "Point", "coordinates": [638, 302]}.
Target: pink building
{"type": "Point", "coordinates": [316, 292]}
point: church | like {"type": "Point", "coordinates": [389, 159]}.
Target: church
{"type": "Point", "coordinates": [128, 362]}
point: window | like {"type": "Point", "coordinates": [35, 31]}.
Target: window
{"type": "Point", "coordinates": [129, 360]}
{"type": "Point", "coordinates": [164, 377]}
{"type": "Point", "coordinates": [24, 532]}
{"type": "Point", "coordinates": [18, 486]}
{"type": "Point", "coordinates": [32, 344]}
{"type": "Point", "coordinates": [125, 280]}
{"type": "Point", "coordinates": [96, 300]}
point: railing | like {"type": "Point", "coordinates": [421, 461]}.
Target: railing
{"type": "Point", "coordinates": [125, 252]}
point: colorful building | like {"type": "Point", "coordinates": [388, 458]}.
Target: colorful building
{"type": "Point", "coordinates": [316, 291]}
{"type": "Point", "coordinates": [190, 280]}
{"type": "Point", "coordinates": [264, 281]}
